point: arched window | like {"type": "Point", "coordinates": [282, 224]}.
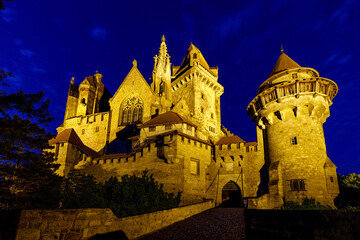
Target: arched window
{"type": "Point", "coordinates": [131, 110]}
{"type": "Point", "coordinates": [135, 114]}
{"type": "Point", "coordinates": [83, 101]}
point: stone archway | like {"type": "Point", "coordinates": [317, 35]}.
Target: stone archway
{"type": "Point", "coordinates": [231, 195]}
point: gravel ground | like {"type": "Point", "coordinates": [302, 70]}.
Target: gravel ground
{"type": "Point", "coordinates": [216, 223]}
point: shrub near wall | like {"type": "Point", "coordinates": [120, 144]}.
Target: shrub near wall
{"type": "Point", "coordinates": [302, 224]}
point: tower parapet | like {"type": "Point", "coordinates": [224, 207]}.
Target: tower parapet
{"type": "Point", "coordinates": [291, 107]}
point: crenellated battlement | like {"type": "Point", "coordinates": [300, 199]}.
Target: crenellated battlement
{"type": "Point", "coordinates": [263, 106]}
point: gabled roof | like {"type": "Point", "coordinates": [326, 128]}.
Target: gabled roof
{"type": "Point", "coordinates": [229, 140]}
{"type": "Point", "coordinates": [284, 62]}
{"type": "Point", "coordinates": [69, 135]}
{"type": "Point", "coordinates": [134, 72]}
{"type": "Point", "coordinates": [167, 118]}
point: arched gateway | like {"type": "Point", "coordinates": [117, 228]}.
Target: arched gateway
{"type": "Point", "coordinates": [231, 195]}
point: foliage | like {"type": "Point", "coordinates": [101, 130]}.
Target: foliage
{"type": "Point", "coordinates": [135, 195]}
{"type": "Point", "coordinates": [27, 178]}
{"type": "Point", "coordinates": [349, 197]}
{"type": "Point", "coordinates": [81, 191]}
{"type": "Point", "coordinates": [130, 196]}
{"type": "Point", "coordinates": [307, 204]}
{"type": "Point", "coordinates": [2, 5]}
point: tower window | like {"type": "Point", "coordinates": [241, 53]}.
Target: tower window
{"type": "Point", "coordinates": [202, 95]}
{"type": "Point", "coordinates": [83, 101]}
{"type": "Point", "coordinates": [194, 55]}
{"type": "Point", "coordinates": [294, 75]}
{"type": "Point", "coordinates": [83, 131]}
{"type": "Point", "coordinates": [202, 110]}
{"type": "Point", "coordinates": [297, 185]}
{"type": "Point", "coordinates": [331, 179]}
{"type": "Point", "coordinates": [212, 115]}
{"type": "Point", "coordinates": [294, 141]}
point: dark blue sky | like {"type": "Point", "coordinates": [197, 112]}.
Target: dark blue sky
{"type": "Point", "coordinates": [45, 43]}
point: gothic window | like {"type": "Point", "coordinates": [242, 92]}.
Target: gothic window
{"type": "Point", "coordinates": [135, 114]}
{"type": "Point", "coordinates": [297, 185]}
{"type": "Point", "coordinates": [132, 111]}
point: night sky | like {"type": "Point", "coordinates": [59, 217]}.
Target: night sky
{"type": "Point", "coordinates": [45, 43]}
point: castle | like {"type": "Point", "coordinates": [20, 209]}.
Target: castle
{"type": "Point", "coordinates": [172, 127]}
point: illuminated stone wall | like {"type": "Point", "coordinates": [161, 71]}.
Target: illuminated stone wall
{"type": "Point", "coordinates": [86, 223]}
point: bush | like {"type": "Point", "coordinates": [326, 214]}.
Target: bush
{"type": "Point", "coordinates": [130, 196]}
{"type": "Point", "coordinates": [349, 197]}
{"type": "Point", "coordinates": [307, 204]}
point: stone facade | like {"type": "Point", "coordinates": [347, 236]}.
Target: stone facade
{"type": "Point", "coordinates": [172, 127]}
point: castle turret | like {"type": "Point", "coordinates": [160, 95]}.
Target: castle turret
{"type": "Point", "coordinates": [90, 93]}
{"type": "Point", "coordinates": [161, 76]}
{"type": "Point", "coordinates": [72, 100]}
{"type": "Point", "coordinates": [291, 107]}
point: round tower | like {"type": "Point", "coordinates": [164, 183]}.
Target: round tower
{"type": "Point", "coordinates": [291, 107]}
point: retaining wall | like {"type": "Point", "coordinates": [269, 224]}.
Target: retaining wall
{"type": "Point", "coordinates": [92, 223]}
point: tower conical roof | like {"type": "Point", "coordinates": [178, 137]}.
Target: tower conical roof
{"type": "Point", "coordinates": [284, 62]}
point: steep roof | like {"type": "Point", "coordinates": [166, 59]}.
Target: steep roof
{"type": "Point", "coordinates": [167, 118]}
{"type": "Point", "coordinates": [69, 135]}
{"type": "Point", "coordinates": [284, 62]}
{"type": "Point", "coordinates": [186, 60]}
{"type": "Point", "coordinates": [229, 140]}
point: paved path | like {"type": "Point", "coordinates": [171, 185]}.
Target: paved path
{"type": "Point", "coordinates": [216, 223]}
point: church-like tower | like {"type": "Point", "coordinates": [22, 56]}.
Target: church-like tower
{"type": "Point", "coordinates": [291, 107]}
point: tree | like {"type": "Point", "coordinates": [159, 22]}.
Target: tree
{"type": "Point", "coordinates": [2, 5]}
{"type": "Point", "coordinates": [27, 177]}
{"type": "Point", "coordinates": [349, 196]}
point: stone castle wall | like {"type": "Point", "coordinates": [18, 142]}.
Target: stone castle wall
{"type": "Point", "coordinates": [86, 223]}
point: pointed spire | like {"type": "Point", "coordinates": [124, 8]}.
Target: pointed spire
{"type": "Point", "coordinates": [163, 38]}
{"type": "Point", "coordinates": [284, 62]}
